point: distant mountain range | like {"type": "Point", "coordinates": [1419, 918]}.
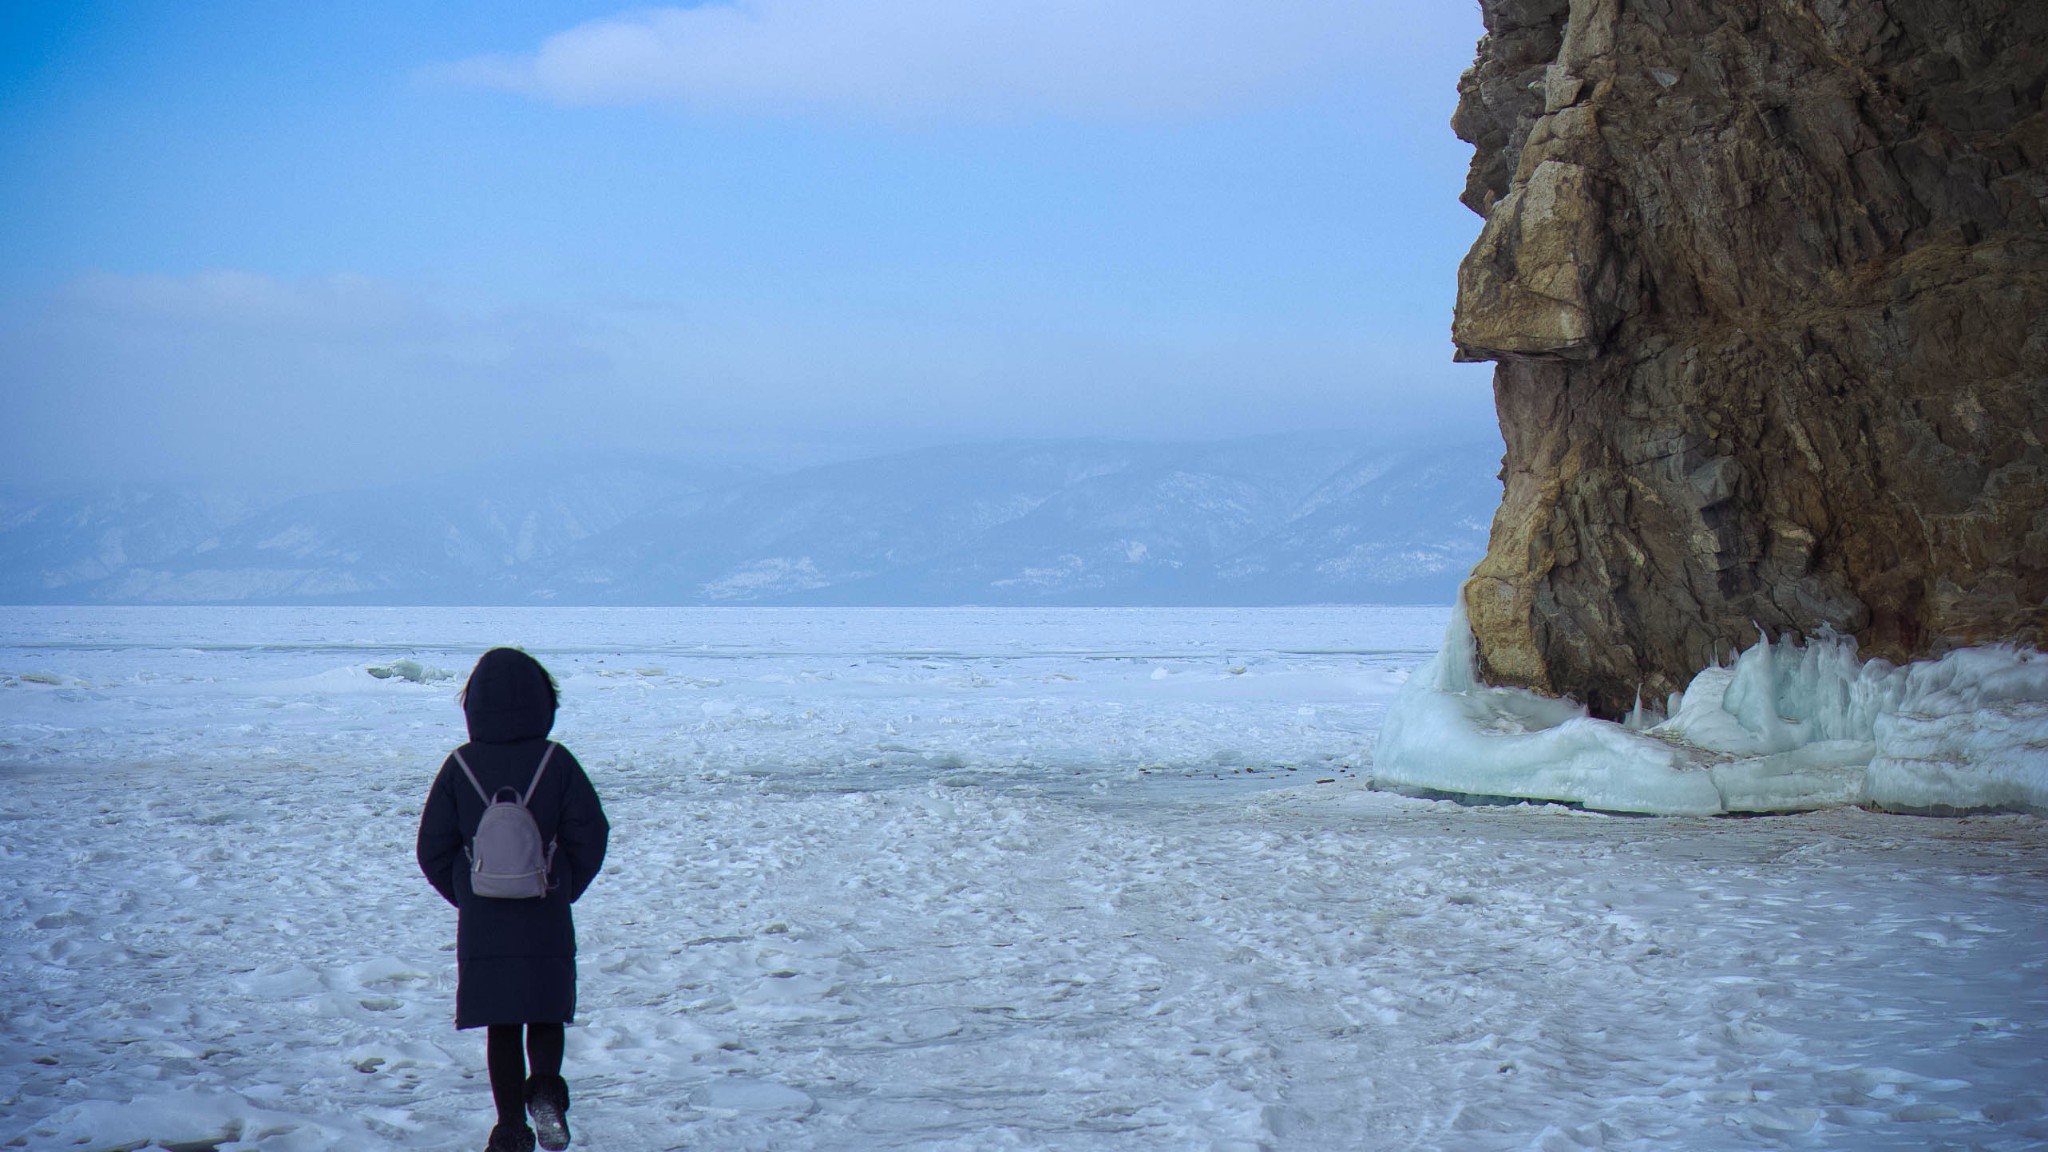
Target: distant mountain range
{"type": "Point", "coordinates": [1266, 520]}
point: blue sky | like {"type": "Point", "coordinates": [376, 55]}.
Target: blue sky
{"type": "Point", "coordinates": [283, 243]}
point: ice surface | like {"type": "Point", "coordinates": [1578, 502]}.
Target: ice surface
{"type": "Point", "coordinates": [958, 880]}
{"type": "Point", "coordinates": [1791, 726]}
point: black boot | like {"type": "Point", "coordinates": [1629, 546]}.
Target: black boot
{"type": "Point", "coordinates": [547, 1101]}
{"type": "Point", "coordinates": [511, 1138]}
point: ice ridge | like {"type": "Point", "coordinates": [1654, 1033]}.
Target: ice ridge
{"type": "Point", "coordinates": [1791, 726]}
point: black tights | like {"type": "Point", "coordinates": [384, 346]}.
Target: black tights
{"type": "Point", "coordinates": [507, 1058]}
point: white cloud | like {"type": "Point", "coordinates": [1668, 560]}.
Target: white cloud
{"type": "Point", "coordinates": [239, 300]}
{"type": "Point", "coordinates": [271, 380]}
{"type": "Point", "coordinates": [946, 58]}
{"type": "Point", "coordinates": [238, 373]}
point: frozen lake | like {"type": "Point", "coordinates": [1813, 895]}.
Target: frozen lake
{"type": "Point", "coordinates": [958, 878]}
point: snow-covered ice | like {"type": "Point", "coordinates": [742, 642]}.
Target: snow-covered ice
{"type": "Point", "coordinates": [958, 879]}
{"type": "Point", "coordinates": [1790, 726]}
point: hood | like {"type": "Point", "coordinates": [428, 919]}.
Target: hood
{"type": "Point", "coordinates": [509, 697]}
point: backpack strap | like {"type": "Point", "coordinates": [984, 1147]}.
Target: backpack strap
{"type": "Point", "coordinates": [464, 765]}
{"type": "Point", "coordinates": [544, 758]}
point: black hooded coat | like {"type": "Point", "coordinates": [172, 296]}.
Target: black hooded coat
{"type": "Point", "coordinates": [516, 959]}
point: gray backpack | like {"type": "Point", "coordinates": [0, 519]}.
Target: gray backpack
{"type": "Point", "coordinates": [506, 858]}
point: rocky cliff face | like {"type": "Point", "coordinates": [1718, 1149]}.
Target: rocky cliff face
{"type": "Point", "coordinates": [1767, 285]}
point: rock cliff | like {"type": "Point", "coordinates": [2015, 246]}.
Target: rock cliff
{"type": "Point", "coordinates": [1767, 285]}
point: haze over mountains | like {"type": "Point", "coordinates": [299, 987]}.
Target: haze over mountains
{"type": "Point", "coordinates": [1266, 520]}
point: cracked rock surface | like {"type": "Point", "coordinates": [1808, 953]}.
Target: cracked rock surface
{"type": "Point", "coordinates": [1766, 282]}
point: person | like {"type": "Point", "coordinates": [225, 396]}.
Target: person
{"type": "Point", "coordinates": [515, 958]}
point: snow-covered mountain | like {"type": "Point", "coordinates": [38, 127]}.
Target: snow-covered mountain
{"type": "Point", "coordinates": [1283, 519]}
{"type": "Point", "coordinates": [475, 535]}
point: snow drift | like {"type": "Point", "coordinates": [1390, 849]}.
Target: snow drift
{"type": "Point", "coordinates": [1790, 726]}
